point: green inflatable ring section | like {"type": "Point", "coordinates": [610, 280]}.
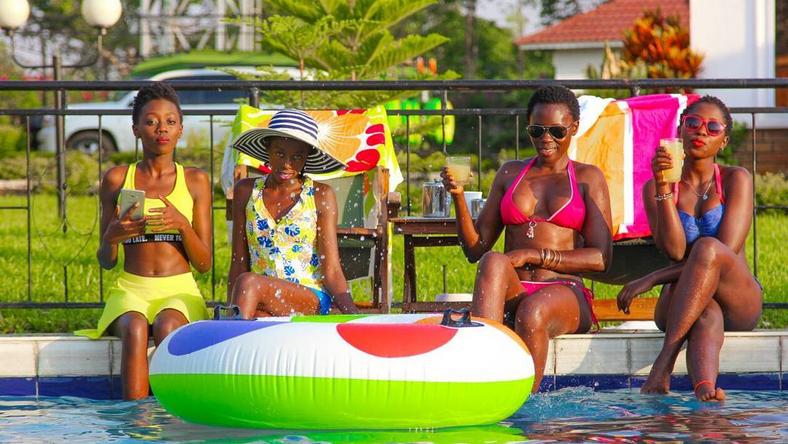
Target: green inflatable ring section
{"type": "Point", "coordinates": [243, 401]}
{"type": "Point", "coordinates": [449, 121]}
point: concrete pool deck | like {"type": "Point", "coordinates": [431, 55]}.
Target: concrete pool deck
{"type": "Point", "coordinates": [66, 365]}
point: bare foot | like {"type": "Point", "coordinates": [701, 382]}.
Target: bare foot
{"type": "Point", "coordinates": [706, 392]}
{"type": "Point", "coordinates": [657, 383]}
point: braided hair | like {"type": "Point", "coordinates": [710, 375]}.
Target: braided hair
{"type": "Point", "coordinates": [157, 90]}
{"type": "Point", "coordinates": [554, 94]}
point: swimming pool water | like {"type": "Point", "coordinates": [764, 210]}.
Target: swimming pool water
{"type": "Point", "coordinates": [574, 414]}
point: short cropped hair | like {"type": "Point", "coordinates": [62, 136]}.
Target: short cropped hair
{"type": "Point", "coordinates": [157, 90]}
{"type": "Point", "coordinates": [554, 94]}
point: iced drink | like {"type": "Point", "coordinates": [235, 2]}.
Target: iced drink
{"type": "Point", "coordinates": [459, 168]}
{"type": "Point", "coordinates": [676, 150]}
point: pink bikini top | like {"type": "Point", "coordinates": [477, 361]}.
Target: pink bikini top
{"type": "Point", "coordinates": [571, 215]}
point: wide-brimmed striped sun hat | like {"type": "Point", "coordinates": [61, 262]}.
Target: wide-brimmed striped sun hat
{"type": "Point", "coordinates": [293, 124]}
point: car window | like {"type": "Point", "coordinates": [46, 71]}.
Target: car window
{"type": "Point", "coordinates": [224, 96]}
{"type": "Point", "coordinates": [190, 97]}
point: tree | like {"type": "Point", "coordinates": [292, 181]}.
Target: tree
{"type": "Point", "coordinates": [13, 128]}
{"type": "Point", "coordinates": [470, 49]}
{"type": "Point", "coordinates": [344, 40]}
{"type": "Point", "coordinates": [517, 20]}
{"type": "Point", "coordinates": [655, 47]}
{"type": "Point", "coordinates": [556, 10]}
{"type": "Point", "coordinates": [496, 59]}
{"type": "Point", "coordinates": [496, 56]}
{"type": "Point", "coordinates": [58, 26]}
{"type": "Point", "coordinates": [661, 44]}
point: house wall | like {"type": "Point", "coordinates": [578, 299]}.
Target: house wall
{"type": "Point", "coordinates": [738, 40]}
{"type": "Point", "coordinates": [570, 64]}
{"type": "Point", "coordinates": [772, 152]}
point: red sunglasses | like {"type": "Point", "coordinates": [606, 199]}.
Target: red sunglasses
{"type": "Point", "coordinates": [694, 122]}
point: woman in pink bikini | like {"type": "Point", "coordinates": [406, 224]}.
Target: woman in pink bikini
{"type": "Point", "coordinates": [701, 223]}
{"type": "Point", "coordinates": [556, 217]}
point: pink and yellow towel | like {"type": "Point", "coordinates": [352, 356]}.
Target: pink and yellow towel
{"type": "Point", "coordinates": [620, 137]}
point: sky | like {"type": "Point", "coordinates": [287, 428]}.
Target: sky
{"type": "Point", "coordinates": [498, 10]}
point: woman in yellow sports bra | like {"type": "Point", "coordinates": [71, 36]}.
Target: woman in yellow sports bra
{"type": "Point", "coordinates": [156, 293]}
{"type": "Point", "coordinates": [285, 254]}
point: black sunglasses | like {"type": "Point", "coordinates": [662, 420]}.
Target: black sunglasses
{"type": "Point", "coordinates": [557, 132]}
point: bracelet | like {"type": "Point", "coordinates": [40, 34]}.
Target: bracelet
{"type": "Point", "coordinates": [543, 257]}
{"type": "Point", "coordinates": [661, 197]}
{"type": "Point", "coordinates": [550, 258]}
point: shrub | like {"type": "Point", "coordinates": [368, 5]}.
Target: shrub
{"type": "Point", "coordinates": [739, 134]}
{"type": "Point", "coordinates": [11, 138]}
{"type": "Point", "coordinates": [82, 174]}
{"type": "Point", "coordinates": [771, 189]}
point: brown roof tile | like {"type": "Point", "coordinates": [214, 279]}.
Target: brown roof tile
{"type": "Point", "coordinates": [605, 23]}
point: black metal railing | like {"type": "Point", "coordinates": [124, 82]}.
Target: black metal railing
{"type": "Point", "coordinates": [253, 88]}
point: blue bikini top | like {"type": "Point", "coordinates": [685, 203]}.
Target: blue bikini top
{"type": "Point", "coordinates": [708, 224]}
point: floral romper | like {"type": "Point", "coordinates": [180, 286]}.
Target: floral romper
{"type": "Point", "coordinates": [286, 249]}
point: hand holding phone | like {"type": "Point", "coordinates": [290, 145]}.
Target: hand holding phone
{"type": "Point", "coordinates": [128, 220]}
{"type": "Point", "coordinates": [127, 200]}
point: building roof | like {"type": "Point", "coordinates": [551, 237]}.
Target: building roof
{"type": "Point", "coordinates": [605, 23]}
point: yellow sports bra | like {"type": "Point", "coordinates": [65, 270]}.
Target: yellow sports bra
{"type": "Point", "coordinates": [179, 197]}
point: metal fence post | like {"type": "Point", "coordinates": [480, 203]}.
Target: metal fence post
{"type": "Point", "coordinates": [60, 149]}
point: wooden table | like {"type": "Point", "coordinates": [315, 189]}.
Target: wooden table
{"type": "Point", "coordinates": [424, 232]}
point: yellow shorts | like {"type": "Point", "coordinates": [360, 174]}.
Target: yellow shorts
{"type": "Point", "coordinates": [149, 296]}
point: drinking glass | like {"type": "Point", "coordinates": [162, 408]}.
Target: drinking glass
{"type": "Point", "coordinates": [460, 168]}
{"type": "Point", "coordinates": [676, 149]}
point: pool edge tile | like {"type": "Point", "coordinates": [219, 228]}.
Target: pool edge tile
{"type": "Point", "coordinates": [91, 387]}
{"type": "Point", "coordinates": [18, 386]}
{"type": "Point", "coordinates": [594, 381]}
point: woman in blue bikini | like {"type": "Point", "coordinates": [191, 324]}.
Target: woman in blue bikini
{"type": "Point", "coordinates": [701, 223]}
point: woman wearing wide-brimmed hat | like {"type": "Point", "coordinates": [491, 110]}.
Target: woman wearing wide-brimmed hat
{"type": "Point", "coordinates": [285, 256]}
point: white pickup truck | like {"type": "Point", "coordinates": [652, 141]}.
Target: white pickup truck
{"type": "Point", "coordinates": [82, 132]}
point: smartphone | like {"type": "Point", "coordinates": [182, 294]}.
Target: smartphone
{"type": "Point", "coordinates": [129, 198]}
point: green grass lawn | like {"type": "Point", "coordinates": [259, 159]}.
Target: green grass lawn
{"type": "Point", "coordinates": [59, 257]}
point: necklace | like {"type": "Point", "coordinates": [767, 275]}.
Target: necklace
{"type": "Point", "coordinates": [531, 225]}
{"type": "Point", "coordinates": [705, 194]}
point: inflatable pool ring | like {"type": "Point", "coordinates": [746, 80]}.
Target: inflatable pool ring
{"type": "Point", "coordinates": [343, 372]}
{"type": "Point", "coordinates": [449, 122]}
{"type": "Point", "coordinates": [416, 137]}
{"type": "Point", "coordinates": [395, 122]}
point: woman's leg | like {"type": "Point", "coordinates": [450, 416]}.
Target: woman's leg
{"type": "Point", "coordinates": [497, 287]}
{"type": "Point", "coordinates": [547, 313]}
{"type": "Point", "coordinates": [132, 329]}
{"type": "Point", "coordinates": [276, 297]}
{"type": "Point", "coordinates": [661, 319]}
{"type": "Point", "coordinates": [735, 290]}
{"type": "Point", "coordinates": [165, 323]}
{"type": "Point", "coordinates": [703, 353]}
